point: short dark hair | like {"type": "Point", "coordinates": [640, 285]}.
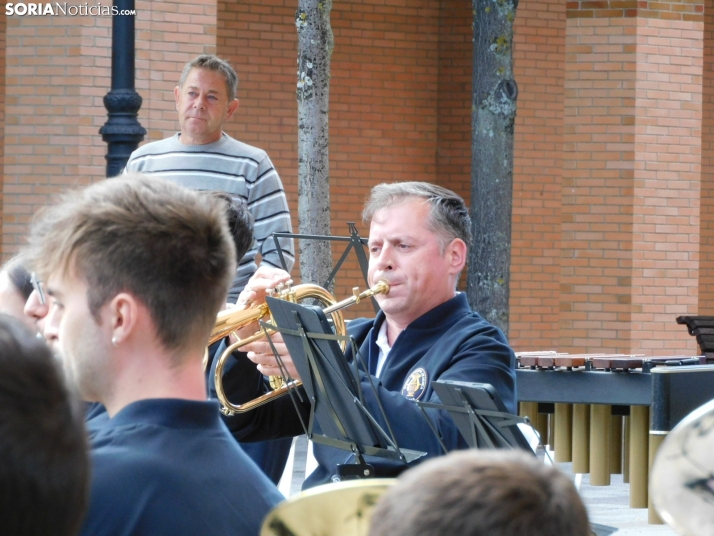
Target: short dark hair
{"type": "Point", "coordinates": [479, 492]}
{"type": "Point", "coordinates": [240, 222]}
{"type": "Point", "coordinates": [213, 63]}
{"type": "Point", "coordinates": [449, 218]}
{"type": "Point", "coordinates": [44, 460]}
{"type": "Point", "coordinates": [19, 276]}
{"type": "Point", "coordinates": [167, 245]}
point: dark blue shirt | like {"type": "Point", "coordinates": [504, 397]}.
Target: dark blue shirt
{"type": "Point", "coordinates": [450, 342]}
{"type": "Point", "coordinates": [95, 417]}
{"type": "Point", "coordinates": [170, 466]}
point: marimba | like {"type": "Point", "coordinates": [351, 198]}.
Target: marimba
{"type": "Point", "coordinates": [588, 390]}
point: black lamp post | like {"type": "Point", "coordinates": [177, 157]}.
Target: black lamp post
{"type": "Point", "coordinates": [122, 131]}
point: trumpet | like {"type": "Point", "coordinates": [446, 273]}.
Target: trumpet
{"type": "Point", "coordinates": [230, 320]}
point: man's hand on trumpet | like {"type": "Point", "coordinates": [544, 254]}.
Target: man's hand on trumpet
{"type": "Point", "coordinates": [265, 279]}
{"type": "Point", "coordinates": [260, 353]}
{"type": "Point", "coordinates": [258, 287]}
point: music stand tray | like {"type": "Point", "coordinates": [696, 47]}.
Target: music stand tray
{"type": "Point", "coordinates": [332, 388]}
{"type": "Point", "coordinates": [479, 414]}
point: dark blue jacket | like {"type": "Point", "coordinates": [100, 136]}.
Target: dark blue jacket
{"type": "Point", "coordinates": [450, 342]}
{"type": "Point", "coordinates": [169, 466]}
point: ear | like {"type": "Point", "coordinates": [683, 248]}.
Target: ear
{"type": "Point", "coordinates": [123, 316]}
{"type": "Point", "coordinates": [232, 107]}
{"type": "Point", "coordinates": [456, 254]}
{"type": "Point", "coordinates": [177, 94]}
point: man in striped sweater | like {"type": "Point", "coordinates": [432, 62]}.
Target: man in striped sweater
{"type": "Point", "coordinates": [203, 157]}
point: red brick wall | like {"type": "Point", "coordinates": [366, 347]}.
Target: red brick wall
{"type": "Point", "coordinates": [57, 73]}
{"type": "Point", "coordinates": [453, 151]}
{"type": "Point", "coordinates": [539, 66]}
{"type": "Point", "coordinates": [168, 35]}
{"type": "Point", "coordinates": [260, 41]}
{"type": "Point", "coordinates": [54, 71]}
{"type": "Point", "coordinates": [383, 125]}
{"type": "Point", "coordinates": [612, 136]}
{"type": "Point", "coordinates": [383, 98]}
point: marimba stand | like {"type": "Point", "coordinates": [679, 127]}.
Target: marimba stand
{"type": "Point", "coordinates": [655, 393]}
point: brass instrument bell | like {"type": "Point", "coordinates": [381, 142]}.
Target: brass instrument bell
{"type": "Point", "coordinates": [339, 509]}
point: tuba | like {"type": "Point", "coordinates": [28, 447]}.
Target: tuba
{"type": "Point", "coordinates": [230, 320]}
{"type": "Point", "coordinates": [339, 509]}
{"type": "Point", "coordinates": [682, 475]}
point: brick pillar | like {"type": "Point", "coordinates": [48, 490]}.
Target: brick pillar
{"type": "Point", "coordinates": [668, 127]}
{"type": "Point", "coordinates": [631, 178]}
{"type": "Point", "coordinates": [706, 254]}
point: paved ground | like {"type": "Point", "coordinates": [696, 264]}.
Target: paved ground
{"type": "Point", "coordinates": [607, 505]}
{"type": "Point", "coordinates": [610, 505]}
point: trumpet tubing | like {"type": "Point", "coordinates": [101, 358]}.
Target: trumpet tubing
{"type": "Point", "coordinates": [229, 321]}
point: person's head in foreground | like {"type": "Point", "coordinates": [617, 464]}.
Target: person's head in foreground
{"type": "Point", "coordinates": [481, 493]}
{"type": "Point", "coordinates": [44, 463]}
{"type": "Point", "coordinates": [135, 269]}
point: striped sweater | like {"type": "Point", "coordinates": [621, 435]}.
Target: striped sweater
{"type": "Point", "coordinates": [238, 169]}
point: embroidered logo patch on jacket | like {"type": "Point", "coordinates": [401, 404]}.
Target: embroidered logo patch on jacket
{"type": "Point", "coordinates": [415, 384]}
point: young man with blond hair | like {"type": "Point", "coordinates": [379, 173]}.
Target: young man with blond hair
{"type": "Point", "coordinates": [136, 269]}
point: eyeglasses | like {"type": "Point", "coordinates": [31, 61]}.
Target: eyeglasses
{"type": "Point", "coordinates": [37, 287]}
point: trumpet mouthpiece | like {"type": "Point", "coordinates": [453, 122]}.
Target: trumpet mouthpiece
{"type": "Point", "coordinates": [382, 287]}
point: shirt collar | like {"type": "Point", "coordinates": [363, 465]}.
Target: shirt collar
{"type": "Point", "coordinates": [168, 412]}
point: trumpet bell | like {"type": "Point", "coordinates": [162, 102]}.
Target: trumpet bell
{"type": "Point", "coordinates": [339, 509]}
{"type": "Point", "coordinates": [231, 320]}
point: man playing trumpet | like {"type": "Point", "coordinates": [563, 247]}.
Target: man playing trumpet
{"type": "Point", "coordinates": [425, 331]}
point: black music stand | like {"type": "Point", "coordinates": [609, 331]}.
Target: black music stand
{"type": "Point", "coordinates": [354, 242]}
{"type": "Point", "coordinates": [479, 414]}
{"type": "Point", "coordinates": [333, 389]}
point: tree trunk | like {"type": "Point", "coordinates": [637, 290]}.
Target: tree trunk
{"type": "Point", "coordinates": [493, 112]}
{"type": "Point", "coordinates": [315, 44]}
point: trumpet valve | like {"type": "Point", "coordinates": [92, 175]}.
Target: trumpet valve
{"type": "Point", "coordinates": [356, 294]}
{"type": "Point", "coordinates": [284, 291]}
